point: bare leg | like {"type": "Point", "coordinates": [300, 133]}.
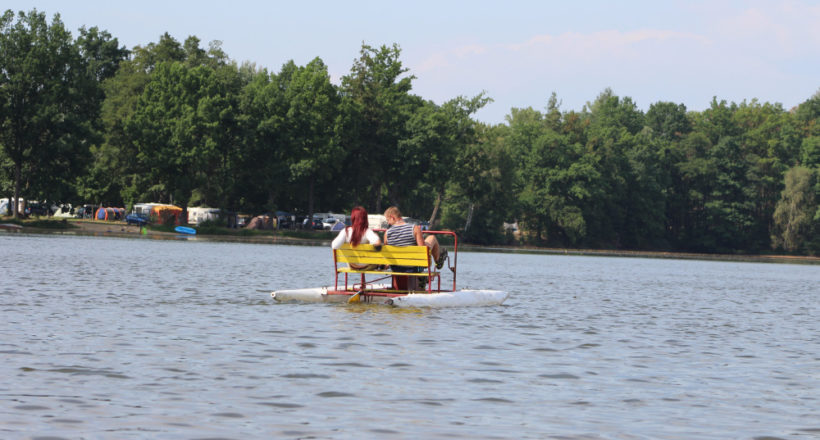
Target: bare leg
{"type": "Point", "coordinates": [431, 242]}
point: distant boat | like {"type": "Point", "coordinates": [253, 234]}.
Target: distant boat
{"type": "Point", "coordinates": [185, 230]}
{"type": "Point", "coordinates": [10, 226]}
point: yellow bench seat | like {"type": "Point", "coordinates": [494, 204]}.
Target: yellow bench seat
{"type": "Point", "coordinates": [415, 256]}
{"type": "Point", "coordinates": [364, 254]}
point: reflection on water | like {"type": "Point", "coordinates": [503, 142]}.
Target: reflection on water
{"type": "Point", "coordinates": [134, 338]}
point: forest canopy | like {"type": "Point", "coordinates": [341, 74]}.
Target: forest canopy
{"type": "Point", "coordinates": [85, 120]}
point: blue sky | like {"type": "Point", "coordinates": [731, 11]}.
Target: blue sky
{"type": "Point", "coordinates": [519, 53]}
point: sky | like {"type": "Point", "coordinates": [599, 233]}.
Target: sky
{"type": "Point", "coordinates": [519, 53]}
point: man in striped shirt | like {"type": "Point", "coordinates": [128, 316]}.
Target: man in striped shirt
{"type": "Point", "coordinates": [402, 233]}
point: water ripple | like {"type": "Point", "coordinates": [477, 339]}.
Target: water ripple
{"type": "Point", "coordinates": [586, 347]}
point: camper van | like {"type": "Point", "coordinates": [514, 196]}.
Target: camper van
{"type": "Point", "coordinates": [6, 206]}
{"type": "Point", "coordinates": [144, 209]}
{"type": "Point", "coordinates": [201, 214]}
{"type": "Point", "coordinates": [157, 212]}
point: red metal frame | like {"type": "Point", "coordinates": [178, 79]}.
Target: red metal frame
{"type": "Point", "coordinates": [362, 286]}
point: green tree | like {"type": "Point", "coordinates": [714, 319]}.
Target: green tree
{"type": "Point", "coordinates": [224, 135]}
{"type": "Point", "coordinates": [556, 177]}
{"type": "Point", "coordinates": [617, 205]}
{"type": "Point", "coordinates": [103, 55]}
{"type": "Point", "coordinates": [807, 119]}
{"type": "Point", "coordinates": [810, 151]}
{"type": "Point", "coordinates": [729, 219]}
{"type": "Point", "coordinates": [261, 169]}
{"type": "Point", "coordinates": [730, 208]}
{"type": "Point", "coordinates": [173, 129]}
{"type": "Point", "coordinates": [770, 146]}
{"type": "Point", "coordinates": [312, 111]}
{"type": "Point", "coordinates": [526, 127]}
{"type": "Point", "coordinates": [45, 111]}
{"type": "Point", "coordinates": [376, 106]}
{"type": "Point", "coordinates": [438, 138]}
{"type": "Point", "coordinates": [668, 121]}
{"type": "Point", "coordinates": [795, 221]}
{"type": "Point", "coordinates": [807, 115]}
{"type": "Point", "coordinates": [717, 121]}
{"type": "Point", "coordinates": [693, 177]}
{"type": "Point", "coordinates": [478, 195]}
{"type": "Point", "coordinates": [647, 182]}
{"type": "Point", "coordinates": [116, 174]}
{"type": "Point", "coordinates": [167, 49]}
{"type": "Point", "coordinates": [6, 184]}
{"type": "Point", "coordinates": [194, 56]}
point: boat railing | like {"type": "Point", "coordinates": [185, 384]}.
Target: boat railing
{"type": "Point", "coordinates": [454, 257]}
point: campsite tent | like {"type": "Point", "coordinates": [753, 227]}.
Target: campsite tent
{"type": "Point", "coordinates": [165, 214]}
{"type": "Point", "coordinates": [110, 214]}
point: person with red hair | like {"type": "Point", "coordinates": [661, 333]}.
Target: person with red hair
{"type": "Point", "coordinates": [357, 233]}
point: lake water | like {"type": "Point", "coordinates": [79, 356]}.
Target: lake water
{"type": "Point", "coordinates": [179, 339]}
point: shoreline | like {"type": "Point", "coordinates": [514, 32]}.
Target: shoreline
{"type": "Point", "coordinates": [120, 229]}
{"type": "Point", "coordinates": [784, 259]}
{"type": "Point", "coordinates": [91, 228]}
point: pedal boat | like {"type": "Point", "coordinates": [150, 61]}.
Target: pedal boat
{"type": "Point", "coordinates": [398, 289]}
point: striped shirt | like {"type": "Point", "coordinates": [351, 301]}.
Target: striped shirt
{"type": "Point", "coordinates": [401, 235]}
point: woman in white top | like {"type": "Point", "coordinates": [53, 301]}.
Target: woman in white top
{"type": "Point", "coordinates": [356, 234]}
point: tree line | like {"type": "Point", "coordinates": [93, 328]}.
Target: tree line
{"type": "Point", "coordinates": [84, 120]}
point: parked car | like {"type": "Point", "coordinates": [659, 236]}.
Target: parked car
{"type": "Point", "coordinates": [86, 211]}
{"type": "Point", "coordinates": [243, 219]}
{"type": "Point", "coordinates": [329, 222]}
{"type": "Point", "coordinates": [425, 225]}
{"type": "Point", "coordinates": [136, 219]}
{"type": "Point", "coordinates": [284, 220]}
{"type": "Point", "coordinates": [38, 208]}
{"type": "Point", "coordinates": [316, 223]}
